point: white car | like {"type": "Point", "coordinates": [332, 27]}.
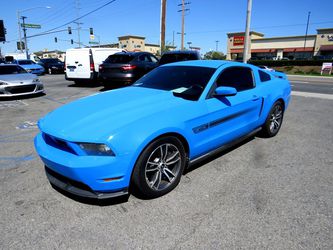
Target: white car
{"type": "Point", "coordinates": [16, 81]}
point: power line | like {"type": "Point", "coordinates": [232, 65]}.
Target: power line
{"type": "Point", "coordinates": [78, 18]}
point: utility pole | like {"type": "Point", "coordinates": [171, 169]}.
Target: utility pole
{"type": "Point", "coordinates": [247, 31]}
{"type": "Point", "coordinates": [25, 37]}
{"type": "Point", "coordinates": [217, 45]}
{"type": "Point", "coordinates": [77, 6]}
{"type": "Point", "coordinates": [183, 21]}
{"type": "Point", "coordinates": [19, 30]}
{"type": "Point", "coordinates": [306, 31]}
{"type": "Point", "coordinates": [173, 38]}
{"type": "Point", "coordinates": [163, 15]}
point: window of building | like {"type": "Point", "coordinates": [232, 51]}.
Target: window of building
{"type": "Point", "coordinates": [240, 78]}
{"type": "Point", "coordinates": [264, 77]}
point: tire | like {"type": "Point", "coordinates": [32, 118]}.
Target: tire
{"type": "Point", "coordinates": [159, 167]}
{"type": "Point", "coordinates": [273, 121]}
{"type": "Point", "coordinates": [49, 71]}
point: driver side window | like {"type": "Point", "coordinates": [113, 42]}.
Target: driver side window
{"type": "Point", "coordinates": [240, 78]}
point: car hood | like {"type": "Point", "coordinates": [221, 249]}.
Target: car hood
{"type": "Point", "coordinates": [18, 78]}
{"type": "Point", "coordinates": [97, 117]}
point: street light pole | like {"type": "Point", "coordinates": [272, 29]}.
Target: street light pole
{"type": "Point", "coordinates": [247, 31]}
{"type": "Point", "coordinates": [25, 37]}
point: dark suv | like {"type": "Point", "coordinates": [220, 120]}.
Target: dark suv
{"type": "Point", "coordinates": [52, 65]}
{"type": "Point", "coordinates": [179, 55]}
{"type": "Point", "coordinates": [126, 67]}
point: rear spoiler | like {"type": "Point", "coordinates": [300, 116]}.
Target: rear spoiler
{"type": "Point", "coordinates": [279, 74]}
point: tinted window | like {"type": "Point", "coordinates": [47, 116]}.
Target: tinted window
{"type": "Point", "coordinates": [184, 81]}
{"type": "Point", "coordinates": [169, 58]}
{"type": "Point", "coordinates": [264, 77]}
{"type": "Point", "coordinates": [25, 62]}
{"type": "Point", "coordinates": [119, 59]}
{"type": "Point", "coordinates": [11, 69]}
{"type": "Point", "coordinates": [239, 78]}
{"type": "Point", "coordinates": [50, 60]}
{"type": "Point", "coordinates": [144, 58]}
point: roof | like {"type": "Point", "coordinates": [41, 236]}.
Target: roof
{"type": "Point", "coordinates": [203, 63]}
{"type": "Point", "coordinates": [243, 33]}
{"type": "Point", "coordinates": [325, 29]}
{"type": "Point", "coordinates": [152, 45]}
{"type": "Point", "coordinates": [130, 36]}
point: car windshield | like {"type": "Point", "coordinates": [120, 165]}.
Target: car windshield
{"type": "Point", "coordinates": [169, 58]}
{"type": "Point", "coordinates": [11, 69]}
{"type": "Point", "coordinates": [50, 60]}
{"type": "Point", "coordinates": [25, 62]}
{"type": "Point", "coordinates": [187, 82]}
{"type": "Point", "coordinates": [119, 59]}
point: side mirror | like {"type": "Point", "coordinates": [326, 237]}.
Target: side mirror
{"type": "Point", "coordinates": [225, 91]}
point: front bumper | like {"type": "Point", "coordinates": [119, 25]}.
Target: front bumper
{"type": "Point", "coordinates": [21, 89]}
{"type": "Point", "coordinates": [87, 176]}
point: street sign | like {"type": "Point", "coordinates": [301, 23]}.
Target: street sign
{"type": "Point", "coordinates": [32, 26]}
{"type": "Point", "coordinates": [93, 42]}
{"type": "Point", "coordinates": [326, 67]}
{"type": "Point", "coordinates": [92, 37]}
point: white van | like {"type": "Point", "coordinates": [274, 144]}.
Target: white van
{"type": "Point", "coordinates": [82, 64]}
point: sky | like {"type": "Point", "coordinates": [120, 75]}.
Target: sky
{"type": "Point", "coordinates": [205, 23]}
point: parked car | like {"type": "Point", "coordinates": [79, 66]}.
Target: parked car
{"type": "Point", "coordinates": [146, 134]}
{"type": "Point", "coordinates": [52, 65]}
{"type": "Point", "coordinates": [126, 67]}
{"type": "Point", "coordinates": [30, 66]}
{"type": "Point", "coordinates": [266, 68]}
{"type": "Point", "coordinates": [83, 64]}
{"type": "Point", "coordinates": [16, 81]}
{"type": "Point", "coordinates": [179, 55]}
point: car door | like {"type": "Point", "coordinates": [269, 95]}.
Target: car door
{"type": "Point", "coordinates": [230, 117]}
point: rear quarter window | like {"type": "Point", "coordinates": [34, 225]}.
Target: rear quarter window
{"type": "Point", "coordinates": [264, 77]}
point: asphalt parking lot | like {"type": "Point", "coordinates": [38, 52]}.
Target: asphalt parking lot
{"type": "Point", "coordinates": [266, 193]}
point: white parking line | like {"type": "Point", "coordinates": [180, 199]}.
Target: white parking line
{"type": "Point", "coordinates": [314, 95]}
{"type": "Point", "coordinates": [298, 81]}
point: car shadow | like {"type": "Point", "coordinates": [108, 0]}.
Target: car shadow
{"type": "Point", "coordinates": [213, 157]}
{"type": "Point", "coordinates": [91, 201]}
{"type": "Point", "coordinates": [85, 84]}
{"type": "Point", "coordinates": [22, 97]}
{"type": "Point", "coordinates": [114, 85]}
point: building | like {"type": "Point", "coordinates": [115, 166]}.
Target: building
{"type": "Point", "coordinates": [136, 44]}
{"type": "Point", "coordinates": [291, 47]}
{"type": "Point", "coordinates": [51, 54]}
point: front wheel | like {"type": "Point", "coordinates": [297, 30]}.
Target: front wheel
{"type": "Point", "coordinates": [273, 121]}
{"type": "Point", "coordinates": [159, 167]}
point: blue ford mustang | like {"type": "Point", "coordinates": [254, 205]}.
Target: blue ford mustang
{"type": "Point", "coordinates": [146, 134]}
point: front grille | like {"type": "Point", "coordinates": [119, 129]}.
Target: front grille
{"type": "Point", "coordinates": [57, 143]}
{"type": "Point", "coordinates": [21, 89]}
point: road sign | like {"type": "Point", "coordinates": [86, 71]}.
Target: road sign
{"type": "Point", "coordinates": [32, 26]}
{"type": "Point", "coordinates": [92, 37]}
{"type": "Point", "coordinates": [326, 67]}
{"type": "Point", "coordinates": [93, 42]}
{"type": "Point", "coordinates": [20, 47]}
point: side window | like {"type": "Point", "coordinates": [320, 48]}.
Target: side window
{"type": "Point", "coordinates": [144, 58]}
{"type": "Point", "coordinates": [264, 77]}
{"type": "Point", "coordinates": [153, 59]}
{"type": "Point", "coordinates": [240, 78]}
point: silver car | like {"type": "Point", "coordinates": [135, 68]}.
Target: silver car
{"type": "Point", "coordinates": [16, 81]}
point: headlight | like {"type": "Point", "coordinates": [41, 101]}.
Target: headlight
{"type": "Point", "coordinates": [3, 83]}
{"type": "Point", "coordinates": [96, 149]}
{"type": "Point", "coordinates": [36, 80]}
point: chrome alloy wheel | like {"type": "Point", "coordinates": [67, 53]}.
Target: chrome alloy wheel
{"type": "Point", "coordinates": [276, 119]}
{"type": "Point", "coordinates": [163, 166]}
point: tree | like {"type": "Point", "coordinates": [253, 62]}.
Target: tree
{"type": "Point", "coordinates": [214, 55]}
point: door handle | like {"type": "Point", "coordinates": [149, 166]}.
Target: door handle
{"type": "Point", "coordinates": [255, 98]}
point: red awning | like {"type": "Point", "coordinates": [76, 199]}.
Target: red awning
{"type": "Point", "coordinates": [236, 51]}
{"type": "Point", "coordinates": [326, 48]}
{"type": "Point", "coordinates": [289, 50]}
{"type": "Point", "coordinates": [307, 49]}
{"type": "Point", "coordinates": [260, 50]}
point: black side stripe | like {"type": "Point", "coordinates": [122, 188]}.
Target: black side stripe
{"type": "Point", "coordinates": [214, 123]}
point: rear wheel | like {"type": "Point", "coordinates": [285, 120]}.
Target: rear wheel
{"type": "Point", "coordinates": [159, 167]}
{"type": "Point", "coordinates": [273, 121]}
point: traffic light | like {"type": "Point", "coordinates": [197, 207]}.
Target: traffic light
{"type": "Point", "coordinates": [20, 47]}
{"type": "Point", "coordinates": [55, 40]}
{"type": "Point", "coordinates": [91, 31]}
{"type": "Point", "coordinates": [69, 30]}
{"type": "Point", "coordinates": [72, 41]}
{"type": "Point", "coordinates": [2, 32]}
